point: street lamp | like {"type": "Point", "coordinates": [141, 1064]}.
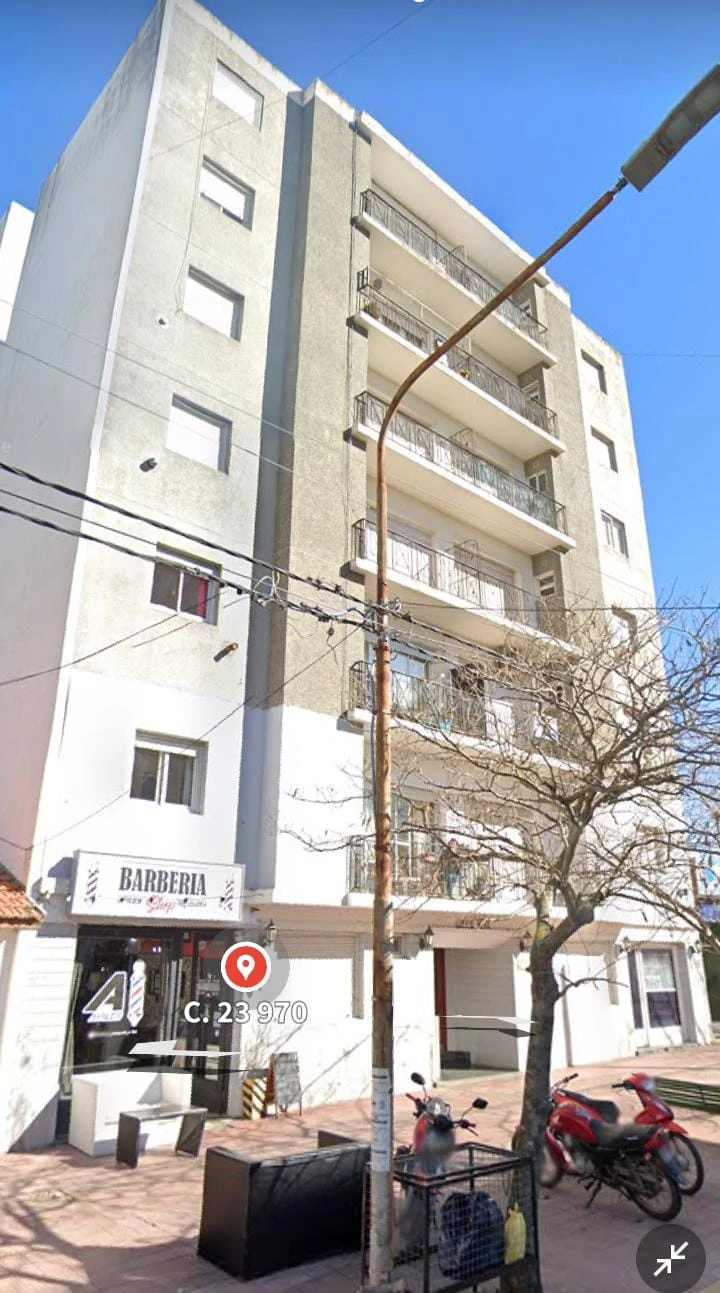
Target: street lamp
{"type": "Point", "coordinates": [685, 120]}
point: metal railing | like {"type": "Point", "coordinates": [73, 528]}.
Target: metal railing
{"type": "Point", "coordinates": [448, 573]}
{"type": "Point", "coordinates": [462, 462]}
{"type": "Point", "coordinates": [424, 867]}
{"type": "Point", "coordinates": [419, 700]}
{"type": "Point", "coordinates": [453, 265]}
{"type": "Point", "coordinates": [458, 360]}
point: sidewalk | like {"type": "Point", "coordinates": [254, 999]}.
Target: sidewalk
{"type": "Point", "coordinates": [69, 1224]}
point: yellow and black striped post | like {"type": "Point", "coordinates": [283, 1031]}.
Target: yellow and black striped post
{"type": "Point", "coordinates": [254, 1091]}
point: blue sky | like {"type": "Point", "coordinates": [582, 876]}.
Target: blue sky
{"type": "Point", "coordinates": [528, 107]}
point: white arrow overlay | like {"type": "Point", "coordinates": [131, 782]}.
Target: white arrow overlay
{"type": "Point", "coordinates": [676, 1255]}
{"type": "Point", "coordinates": [163, 1048]}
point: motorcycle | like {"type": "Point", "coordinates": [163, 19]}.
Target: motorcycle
{"type": "Point", "coordinates": [636, 1160]}
{"type": "Point", "coordinates": [690, 1170]}
{"type": "Point", "coordinates": [433, 1143]}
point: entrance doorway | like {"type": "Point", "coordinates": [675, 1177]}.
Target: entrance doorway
{"type": "Point", "coordinates": [134, 986]}
{"type": "Point", "coordinates": [655, 998]}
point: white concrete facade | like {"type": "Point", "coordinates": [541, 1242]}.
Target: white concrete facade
{"type": "Point", "coordinates": [263, 708]}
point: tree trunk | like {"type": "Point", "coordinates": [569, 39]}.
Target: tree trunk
{"type": "Point", "coordinates": [529, 1137]}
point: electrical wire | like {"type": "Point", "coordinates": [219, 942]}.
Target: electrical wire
{"type": "Point", "coordinates": [320, 612]}
{"type": "Point", "coordinates": [129, 514]}
{"type": "Point", "coordinates": [283, 467]}
{"type": "Point", "coordinates": [249, 700]}
{"type": "Point", "coordinates": [283, 98]}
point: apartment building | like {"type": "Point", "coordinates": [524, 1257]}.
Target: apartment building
{"type": "Point", "coordinates": [227, 276]}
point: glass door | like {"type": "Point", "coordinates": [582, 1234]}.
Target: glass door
{"type": "Point", "coordinates": [207, 1024]}
{"type": "Point", "coordinates": [655, 999]}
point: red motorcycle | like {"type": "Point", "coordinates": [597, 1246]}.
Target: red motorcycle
{"type": "Point", "coordinates": [637, 1161]}
{"type": "Point", "coordinates": [689, 1170]}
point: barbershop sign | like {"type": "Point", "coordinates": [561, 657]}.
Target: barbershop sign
{"type": "Point", "coordinates": [105, 885]}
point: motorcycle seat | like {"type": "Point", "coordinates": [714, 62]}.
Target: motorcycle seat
{"type": "Point", "coordinates": [607, 1109]}
{"type": "Point", "coordinates": [627, 1136]}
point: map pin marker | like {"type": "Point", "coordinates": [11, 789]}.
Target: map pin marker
{"type": "Point", "coordinates": [246, 965]}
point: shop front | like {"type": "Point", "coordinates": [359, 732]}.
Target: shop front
{"type": "Point", "coordinates": [151, 935]}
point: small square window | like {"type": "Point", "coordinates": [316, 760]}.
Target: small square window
{"type": "Point", "coordinates": [624, 626]}
{"type": "Point", "coordinates": [193, 590]}
{"type": "Point", "coordinates": [603, 450]}
{"type": "Point", "coordinates": [596, 372]}
{"type": "Point", "coordinates": [199, 434]}
{"type": "Point", "coordinates": [614, 533]}
{"type": "Point", "coordinates": [167, 771]}
{"type": "Point", "coordinates": [233, 91]}
{"type": "Point", "coordinates": [212, 303]}
{"type": "Point", "coordinates": [220, 187]}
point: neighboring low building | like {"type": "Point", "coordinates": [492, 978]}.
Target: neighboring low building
{"type": "Point", "coordinates": [15, 229]}
{"type": "Point", "coordinates": [226, 278]}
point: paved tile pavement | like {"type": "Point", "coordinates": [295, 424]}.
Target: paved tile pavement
{"type": "Point", "coordinates": [69, 1224]}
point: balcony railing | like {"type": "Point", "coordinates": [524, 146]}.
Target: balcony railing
{"type": "Point", "coordinates": [460, 361]}
{"type": "Point", "coordinates": [433, 704]}
{"type": "Point", "coordinates": [447, 573]}
{"type": "Point", "coordinates": [462, 462]}
{"type": "Point", "coordinates": [430, 249]}
{"type": "Point", "coordinates": [423, 867]}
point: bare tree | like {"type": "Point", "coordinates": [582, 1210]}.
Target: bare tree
{"type": "Point", "coordinates": [564, 775]}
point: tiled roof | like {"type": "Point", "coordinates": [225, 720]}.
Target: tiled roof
{"type": "Point", "coordinates": [16, 909]}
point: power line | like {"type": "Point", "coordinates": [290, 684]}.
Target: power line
{"type": "Point", "coordinates": [322, 613]}
{"type": "Point", "coordinates": [90, 655]}
{"type": "Point", "coordinates": [283, 98]}
{"type": "Point", "coordinates": [320, 584]}
{"type": "Point", "coordinates": [271, 461]}
{"type": "Point", "coordinates": [249, 700]}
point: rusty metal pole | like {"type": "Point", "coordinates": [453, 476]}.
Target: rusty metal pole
{"type": "Point", "coordinates": [380, 1272]}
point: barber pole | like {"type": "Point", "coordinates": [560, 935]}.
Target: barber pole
{"type": "Point", "coordinates": [136, 1004]}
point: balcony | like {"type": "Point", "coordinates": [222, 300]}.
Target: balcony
{"type": "Point", "coordinates": [424, 867]}
{"type": "Point", "coordinates": [469, 391]}
{"type": "Point", "coordinates": [418, 700]}
{"type": "Point", "coordinates": [453, 593]}
{"type": "Point", "coordinates": [437, 275]}
{"type": "Point", "coordinates": [465, 484]}
{"type": "Point", "coordinates": [506, 726]}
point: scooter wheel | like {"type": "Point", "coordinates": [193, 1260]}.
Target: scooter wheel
{"type": "Point", "coordinates": [691, 1164]}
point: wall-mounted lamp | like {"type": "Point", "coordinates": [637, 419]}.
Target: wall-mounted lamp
{"type": "Point", "coordinates": [427, 940]}
{"type": "Point", "coordinates": [149, 464]}
{"type": "Point", "coordinates": [270, 934]}
{"type": "Point", "coordinates": [226, 650]}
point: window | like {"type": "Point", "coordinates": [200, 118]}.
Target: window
{"type": "Point", "coordinates": [166, 771]}
{"type": "Point", "coordinates": [614, 533]}
{"type": "Point", "coordinates": [603, 450]}
{"type": "Point", "coordinates": [193, 591]}
{"type": "Point", "coordinates": [596, 372]}
{"type": "Point", "coordinates": [230, 89]}
{"type": "Point", "coordinates": [211, 303]}
{"type": "Point", "coordinates": [624, 626]}
{"type": "Point", "coordinates": [234, 199]}
{"type": "Point", "coordinates": [199, 435]}
{"type": "Point", "coordinates": [539, 482]}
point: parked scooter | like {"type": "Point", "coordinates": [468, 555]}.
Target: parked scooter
{"type": "Point", "coordinates": [637, 1161]}
{"type": "Point", "coordinates": [433, 1143]}
{"type": "Point", "coordinates": [690, 1171]}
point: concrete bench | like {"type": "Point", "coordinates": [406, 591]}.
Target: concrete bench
{"type": "Point", "coordinates": [691, 1095]}
{"type": "Point", "coordinates": [98, 1099]}
{"type": "Point", "coordinates": [130, 1122]}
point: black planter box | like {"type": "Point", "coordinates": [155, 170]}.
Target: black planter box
{"type": "Point", "coordinates": [261, 1217]}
